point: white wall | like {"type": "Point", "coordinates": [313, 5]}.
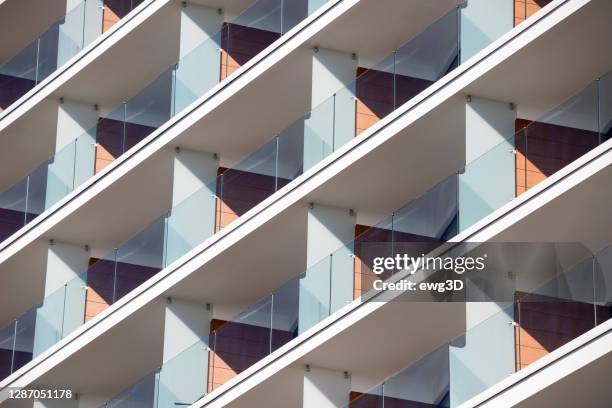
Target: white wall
{"type": "Point", "coordinates": [326, 388]}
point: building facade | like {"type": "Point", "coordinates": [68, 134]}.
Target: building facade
{"type": "Point", "coordinates": [196, 198]}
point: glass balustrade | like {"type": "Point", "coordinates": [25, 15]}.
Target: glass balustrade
{"type": "Point", "coordinates": [240, 188]}
{"type": "Point", "coordinates": [57, 45]}
{"type": "Point", "coordinates": [518, 334]}
{"type": "Point", "coordinates": [421, 226]}
{"type": "Point", "coordinates": [173, 90]}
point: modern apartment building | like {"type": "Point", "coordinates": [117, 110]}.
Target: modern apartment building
{"type": "Point", "coordinates": [194, 194]}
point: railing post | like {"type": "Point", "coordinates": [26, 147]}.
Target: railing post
{"type": "Point", "coordinates": [331, 271]}
{"type": "Point", "coordinates": [593, 261]}
{"type": "Point", "coordinates": [74, 164]}
{"type": "Point", "coordinates": [599, 129]}
{"type": "Point", "coordinates": [115, 275]}
{"type": "Point", "coordinates": [63, 313]}
{"type": "Point", "coordinates": [14, 345]}
{"type": "Point", "coordinates": [27, 199]}
{"type": "Point", "coordinates": [394, 80]}
{"type": "Point", "coordinates": [37, 60]}
{"type": "Point", "coordinates": [271, 320]}
{"type": "Point", "coordinates": [333, 146]}
{"type": "Point", "coordinates": [282, 4]}
{"type": "Point", "coordinates": [276, 166]}
{"type": "Point", "coordinates": [124, 126]}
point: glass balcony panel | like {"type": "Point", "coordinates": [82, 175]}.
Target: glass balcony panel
{"type": "Point", "coordinates": [139, 258]}
{"type": "Point", "coordinates": [344, 116]}
{"type": "Point", "coordinates": [555, 313]}
{"type": "Point", "coordinates": [37, 191]}
{"type": "Point", "coordinates": [141, 395]}
{"type": "Point", "coordinates": [94, 19]}
{"type": "Point", "coordinates": [291, 153]}
{"type": "Point", "coordinates": [603, 285]}
{"type": "Point", "coordinates": [48, 321]}
{"type": "Point", "coordinates": [149, 109]}
{"type": "Point", "coordinates": [315, 294]}
{"type": "Point", "coordinates": [183, 379]}
{"type": "Point", "coordinates": [293, 12]}
{"type": "Point", "coordinates": [319, 133]}
{"type": "Point", "coordinates": [342, 277]}
{"type": "Point", "coordinates": [482, 357]}
{"type": "Point", "coordinates": [13, 209]}
{"type": "Point", "coordinates": [285, 312]}
{"type": "Point", "coordinates": [48, 53]}
{"type": "Point", "coordinates": [426, 58]}
{"type": "Point", "coordinates": [110, 137]}
{"type": "Point", "coordinates": [605, 107]}
{"type": "Point", "coordinates": [263, 15]}
{"type": "Point", "coordinates": [371, 399]}
{"type": "Point", "coordinates": [487, 183]}
{"type": "Point", "coordinates": [241, 342]}
{"type": "Point", "coordinates": [249, 182]}
{"type": "Point", "coordinates": [375, 93]}
{"type": "Point", "coordinates": [374, 242]}
{"type": "Point", "coordinates": [561, 136]}
{"type": "Point", "coordinates": [24, 339]}
{"type": "Point", "coordinates": [75, 304]}
{"type": "Point", "coordinates": [71, 34]}
{"type": "Point", "coordinates": [249, 34]}
{"type": "Point", "coordinates": [84, 158]}
{"type": "Point", "coordinates": [197, 72]}
{"type": "Point", "coordinates": [18, 75]}
{"type": "Point", "coordinates": [7, 345]}
{"type": "Point", "coordinates": [60, 176]}
{"type": "Point", "coordinates": [427, 221]}
{"type": "Point", "coordinates": [483, 22]}
{"type": "Point", "coordinates": [101, 285]}
{"type": "Point", "coordinates": [190, 223]}
{"type": "Point", "coordinates": [424, 384]}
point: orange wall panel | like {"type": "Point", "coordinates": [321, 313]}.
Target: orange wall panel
{"type": "Point", "coordinates": [546, 323]}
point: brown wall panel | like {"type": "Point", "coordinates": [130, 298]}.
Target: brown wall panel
{"type": "Point", "coordinates": [239, 44]}
{"type": "Point", "coordinates": [524, 9]}
{"type": "Point", "coordinates": [239, 191]}
{"type": "Point", "coordinates": [547, 323]}
{"type": "Point", "coordinates": [237, 346]}
{"type": "Point", "coordinates": [108, 281]}
{"type": "Point", "coordinates": [543, 149]}
{"type": "Point", "coordinates": [13, 88]}
{"type": "Point", "coordinates": [378, 93]}
{"type": "Point", "coordinates": [115, 10]}
{"type": "Point", "coordinates": [113, 137]}
{"type": "Point", "coordinates": [371, 242]}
